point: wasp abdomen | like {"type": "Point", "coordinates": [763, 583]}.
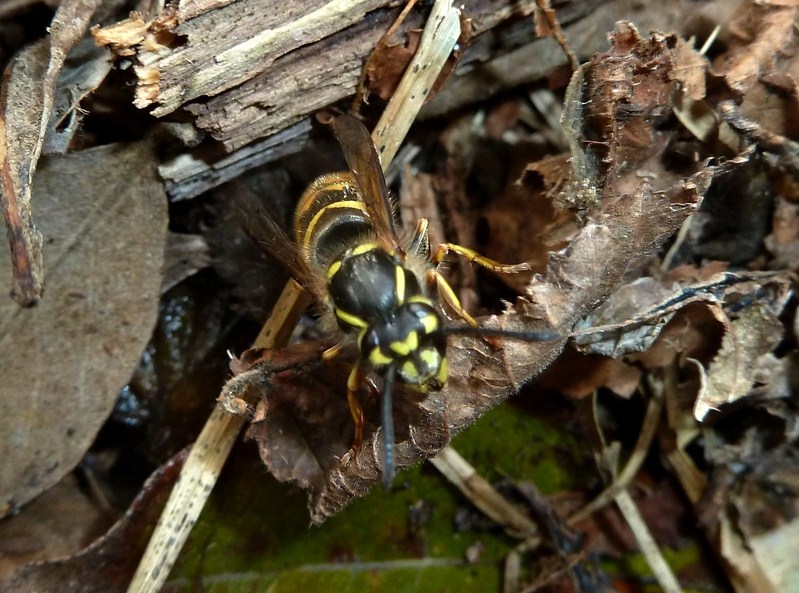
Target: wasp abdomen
{"type": "Point", "coordinates": [329, 215]}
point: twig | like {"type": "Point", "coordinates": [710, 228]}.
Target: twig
{"type": "Point", "coordinates": [438, 38]}
{"type": "Point", "coordinates": [482, 494]}
{"type": "Point", "coordinates": [618, 493]}
{"type": "Point", "coordinates": [637, 457]}
{"type": "Point", "coordinates": [548, 14]}
{"type": "Point", "coordinates": [206, 459]}
{"type": "Point", "coordinates": [649, 548]}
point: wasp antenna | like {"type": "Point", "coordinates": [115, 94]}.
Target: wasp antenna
{"type": "Point", "coordinates": [388, 427]}
{"type": "Point", "coordinates": [524, 336]}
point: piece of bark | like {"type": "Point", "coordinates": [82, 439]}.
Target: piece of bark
{"type": "Point", "coordinates": [498, 58]}
{"type": "Point", "coordinates": [273, 78]}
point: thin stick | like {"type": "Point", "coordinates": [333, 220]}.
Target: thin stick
{"type": "Point", "coordinates": [618, 492]}
{"type": "Point", "coordinates": [649, 548]}
{"type": "Point", "coordinates": [213, 445]}
{"type": "Point", "coordinates": [548, 14]}
{"type": "Point", "coordinates": [477, 489]}
{"type": "Point", "coordinates": [608, 495]}
{"type": "Point", "coordinates": [438, 38]}
{"type": "Point", "coordinates": [206, 459]}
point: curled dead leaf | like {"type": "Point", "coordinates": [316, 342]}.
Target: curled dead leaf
{"type": "Point", "coordinates": [629, 199]}
{"type": "Point", "coordinates": [26, 103]}
{"type": "Point", "coordinates": [111, 559]}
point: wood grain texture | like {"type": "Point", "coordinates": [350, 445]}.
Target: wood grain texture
{"type": "Point", "coordinates": [276, 103]}
{"type": "Point", "coordinates": [251, 68]}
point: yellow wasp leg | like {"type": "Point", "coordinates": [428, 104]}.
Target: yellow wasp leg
{"type": "Point", "coordinates": [475, 257]}
{"type": "Point", "coordinates": [353, 382]}
{"type": "Point", "coordinates": [448, 296]}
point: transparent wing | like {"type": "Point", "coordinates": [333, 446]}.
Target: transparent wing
{"type": "Point", "coordinates": [364, 164]}
{"type": "Point", "coordinates": [270, 236]}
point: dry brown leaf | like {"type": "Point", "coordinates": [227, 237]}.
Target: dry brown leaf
{"type": "Point", "coordinates": [690, 69]}
{"type": "Point", "coordinates": [631, 319]}
{"type": "Point", "coordinates": [388, 62]}
{"type": "Point", "coordinates": [579, 375]}
{"type": "Point", "coordinates": [761, 64]}
{"type": "Point", "coordinates": [694, 332]}
{"type": "Point", "coordinates": [766, 509]}
{"type": "Point", "coordinates": [546, 229]}
{"type": "Point", "coordinates": [762, 32]}
{"type": "Point", "coordinates": [105, 566]}
{"type": "Point", "coordinates": [783, 242]}
{"type": "Point", "coordinates": [780, 153]}
{"type": "Point", "coordinates": [756, 523]}
{"type": "Point", "coordinates": [64, 361]}
{"type": "Point", "coordinates": [26, 104]}
{"type": "Point", "coordinates": [754, 334]}
{"type": "Point", "coordinates": [630, 202]}
{"type": "Point", "coordinates": [59, 523]}
{"type": "Point", "coordinates": [305, 427]}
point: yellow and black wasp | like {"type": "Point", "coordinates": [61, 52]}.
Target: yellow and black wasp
{"type": "Point", "coordinates": [379, 290]}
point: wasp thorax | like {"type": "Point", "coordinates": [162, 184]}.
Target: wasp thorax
{"type": "Point", "coordinates": [410, 338]}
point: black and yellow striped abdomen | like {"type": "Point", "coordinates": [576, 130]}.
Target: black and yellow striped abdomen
{"type": "Point", "coordinates": [330, 217]}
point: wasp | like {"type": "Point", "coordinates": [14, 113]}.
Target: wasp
{"type": "Point", "coordinates": [381, 291]}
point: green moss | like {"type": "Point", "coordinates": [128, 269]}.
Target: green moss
{"type": "Point", "coordinates": [254, 532]}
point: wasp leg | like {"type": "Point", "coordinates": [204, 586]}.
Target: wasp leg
{"type": "Point", "coordinates": [448, 296]}
{"type": "Point", "coordinates": [475, 257]}
{"type": "Point", "coordinates": [353, 382]}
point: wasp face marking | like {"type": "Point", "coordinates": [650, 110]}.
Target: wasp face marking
{"type": "Point", "coordinates": [403, 338]}
{"type": "Point", "coordinates": [377, 359]}
{"type": "Point", "coordinates": [373, 294]}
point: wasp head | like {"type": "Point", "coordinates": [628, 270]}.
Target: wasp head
{"type": "Point", "coordinates": [411, 339]}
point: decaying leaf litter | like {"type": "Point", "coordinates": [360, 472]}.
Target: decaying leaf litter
{"type": "Point", "coordinates": [663, 238]}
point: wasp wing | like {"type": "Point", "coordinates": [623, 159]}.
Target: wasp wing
{"type": "Point", "coordinates": [268, 234]}
{"type": "Point", "coordinates": [364, 163]}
